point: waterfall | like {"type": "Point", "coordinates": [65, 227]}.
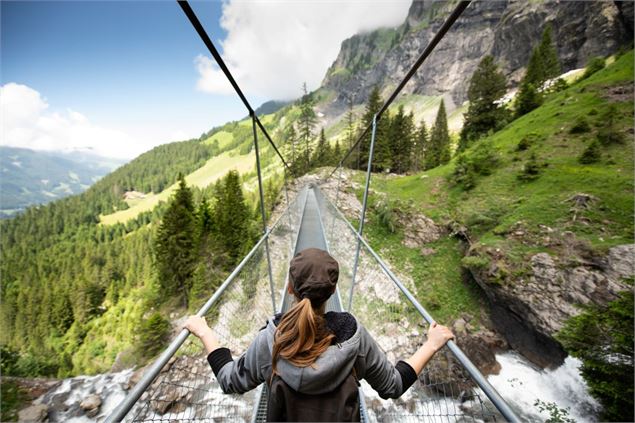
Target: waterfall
{"type": "Point", "coordinates": [521, 384]}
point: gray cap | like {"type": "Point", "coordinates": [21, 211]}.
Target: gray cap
{"type": "Point", "coordinates": [313, 274]}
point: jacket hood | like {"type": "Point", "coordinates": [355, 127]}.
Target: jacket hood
{"type": "Point", "coordinates": [327, 373]}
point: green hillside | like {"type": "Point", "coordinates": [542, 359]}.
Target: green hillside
{"type": "Point", "coordinates": [79, 275]}
{"type": "Point", "coordinates": [525, 205]}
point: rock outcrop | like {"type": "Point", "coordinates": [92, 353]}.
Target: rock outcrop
{"type": "Point", "coordinates": [91, 405]}
{"type": "Point", "coordinates": [530, 310]}
{"type": "Point", "coordinates": [34, 413]}
{"type": "Point", "coordinates": [508, 30]}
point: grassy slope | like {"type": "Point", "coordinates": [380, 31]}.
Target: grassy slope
{"type": "Point", "coordinates": [214, 168]}
{"type": "Point", "coordinates": [499, 201]}
{"type": "Point", "coordinates": [423, 107]}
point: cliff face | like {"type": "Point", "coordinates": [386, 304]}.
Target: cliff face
{"type": "Point", "coordinates": [508, 30]}
{"type": "Point", "coordinates": [530, 311]}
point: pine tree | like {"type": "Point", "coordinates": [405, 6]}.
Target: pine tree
{"type": "Point", "coordinates": [439, 151]}
{"type": "Point", "coordinates": [232, 216]}
{"type": "Point", "coordinates": [321, 151]}
{"type": "Point", "coordinates": [419, 147]}
{"type": "Point", "coordinates": [351, 130]}
{"type": "Point", "coordinates": [372, 107]}
{"type": "Point", "coordinates": [382, 156]}
{"type": "Point", "coordinates": [487, 86]}
{"type": "Point", "coordinates": [535, 73]}
{"type": "Point", "coordinates": [204, 219]}
{"type": "Point", "coordinates": [174, 244]}
{"type": "Point", "coordinates": [543, 65]}
{"type": "Point", "coordinates": [307, 122]}
{"type": "Point", "coordinates": [291, 138]}
{"type": "Point", "coordinates": [549, 55]}
{"type": "Point", "coordinates": [337, 153]}
{"type": "Point", "coordinates": [401, 140]}
{"type": "Point", "coordinates": [527, 99]}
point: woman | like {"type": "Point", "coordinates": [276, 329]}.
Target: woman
{"type": "Point", "coordinates": [312, 352]}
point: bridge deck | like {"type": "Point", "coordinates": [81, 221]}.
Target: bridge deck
{"type": "Point", "coordinates": [310, 235]}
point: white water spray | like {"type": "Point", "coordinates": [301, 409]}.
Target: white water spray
{"type": "Point", "coordinates": [521, 384]}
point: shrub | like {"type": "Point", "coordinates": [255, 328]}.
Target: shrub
{"type": "Point", "coordinates": [530, 170]}
{"type": "Point", "coordinates": [463, 174]}
{"type": "Point", "coordinates": [609, 132]}
{"type": "Point", "coordinates": [153, 335]}
{"type": "Point", "coordinates": [386, 216]}
{"type": "Point", "coordinates": [558, 85]}
{"type": "Point", "coordinates": [556, 414]}
{"type": "Point", "coordinates": [475, 262]}
{"type": "Point", "coordinates": [594, 65]}
{"type": "Point", "coordinates": [527, 141]}
{"type": "Point", "coordinates": [592, 154]}
{"type": "Point", "coordinates": [602, 337]}
{"type": "Point", "coordinates": [13, 399]}
{"type": "Point", "coordinates": [527, 99]}
{"type": "Point", "coordinates": [580, 126]}
{"type": "Point", "coordinates": [481, 161]}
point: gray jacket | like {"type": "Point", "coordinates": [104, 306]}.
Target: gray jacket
{"type": "Point", "coordinates": [359, 351]}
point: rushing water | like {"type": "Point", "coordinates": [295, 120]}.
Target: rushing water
{"type": "Point", "coordinates": [65, 399]}
{"type": "Point", "coordinates": [521, 384]}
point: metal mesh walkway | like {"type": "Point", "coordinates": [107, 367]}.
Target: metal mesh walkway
{"type": "Point", "coordinates": [185, 388]}
{"type": "Point", "coordinates": [310, 235]}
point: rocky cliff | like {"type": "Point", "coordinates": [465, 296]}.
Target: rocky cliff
{"type": "Point", "coordinates": [508, 30]}
{"type": "Point", "coordinates": [532, 309]}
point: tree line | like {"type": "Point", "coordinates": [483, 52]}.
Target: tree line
{"type": "Point", "coordinates": [403, 145]}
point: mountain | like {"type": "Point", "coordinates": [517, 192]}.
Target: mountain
{"type": "Point", "coordinates": [35, 177]}
{"type": "Point", "coordinates": [508, 30]}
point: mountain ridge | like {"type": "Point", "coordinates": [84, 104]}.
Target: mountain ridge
{"type": "Point", "coordinates": [485, 28]}
{"type": "Point", "coordinates": [31, 177]}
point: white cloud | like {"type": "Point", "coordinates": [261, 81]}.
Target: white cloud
{"type": "Point", "coordinates": [272, 47]}
{"type": "Point", "coordinates": [27, 122]}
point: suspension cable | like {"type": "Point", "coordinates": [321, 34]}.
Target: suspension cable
{"type": "Point", "coordinates": [429, 48]}
{"type": "Point", "coordinates": [187, 9]}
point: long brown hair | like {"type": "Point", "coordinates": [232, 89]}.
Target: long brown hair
{"type": "Point", "coordinates": [301, 336]}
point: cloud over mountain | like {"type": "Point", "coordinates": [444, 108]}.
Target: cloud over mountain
{"type": "Point", "coordinates": [273, 47]}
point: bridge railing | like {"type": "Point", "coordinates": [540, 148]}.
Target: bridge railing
{"type": "Point", "coordinates": [179, 385]}
{"type": "Point", "coordinates": [450, 387]}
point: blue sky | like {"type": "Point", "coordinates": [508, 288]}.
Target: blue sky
{"type": "Point", "coordinates": [137, 70]}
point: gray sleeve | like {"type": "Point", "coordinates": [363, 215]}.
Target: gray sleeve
{"type": "Point", "coordinates": [249, 370]}
{"type": "Point", "coordinates": [373, 365]}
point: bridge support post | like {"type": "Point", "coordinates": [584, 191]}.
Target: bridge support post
{"type": "Point", "coordinates": [363, 213]}
{"type": "Point", "coordinates": [337, 198]}
{"type": "Point", "coordinates": [263, 213]}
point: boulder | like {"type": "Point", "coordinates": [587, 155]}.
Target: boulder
{"type": "Point", "coordinates": [34, 413]}
{"type": "Point", "coordinates": [91, 405]}
{"type": "Point", "coordinates": [418, 229]}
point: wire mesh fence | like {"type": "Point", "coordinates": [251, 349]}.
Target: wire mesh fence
{"type": "Point", "coordinates": [186, 389]}
{"type": "Point", "coordinates": [444, 391]}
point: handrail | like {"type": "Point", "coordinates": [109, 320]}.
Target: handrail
{"type": "Point", "coordinates": [478, 377]}
{"type": "Point", "coordinates": [429, 48]}
{"type": "Point", "coordinates": [149, 375]}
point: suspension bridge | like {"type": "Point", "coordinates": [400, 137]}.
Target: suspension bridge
{"type": "Point", "coordinates": [180, 386]}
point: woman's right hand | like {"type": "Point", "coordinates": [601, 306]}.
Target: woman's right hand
{"type": "Point", "coordinates": [438, 336]}
{"type": "Point", "coordinates": [197, 326]}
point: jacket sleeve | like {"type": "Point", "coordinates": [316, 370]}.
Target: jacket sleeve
{"type": "Point", "coordinates": [245, 373]}
{"type": "Point", "coordinates": [390, 381]}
